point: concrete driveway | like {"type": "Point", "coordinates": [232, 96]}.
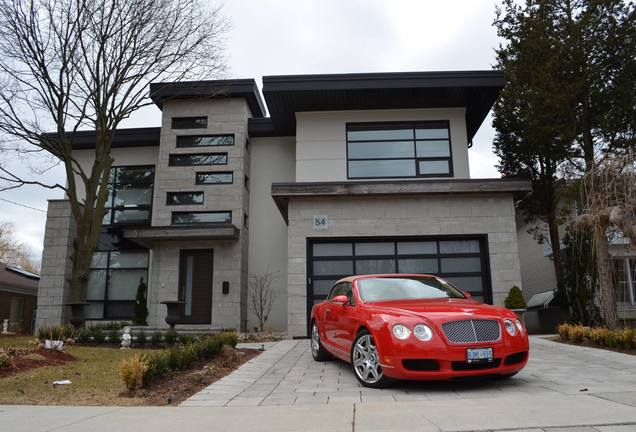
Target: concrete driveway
{"type": "Point", "coordinates": [287, 375]}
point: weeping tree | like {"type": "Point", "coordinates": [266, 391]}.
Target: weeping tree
{"type": "Point", "coordinates": [67, 65]}
{"type": "Point", "coordinates": [608, 194]}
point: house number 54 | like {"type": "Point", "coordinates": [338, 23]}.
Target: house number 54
{"type": "Point", "coordinates": [321, 223]}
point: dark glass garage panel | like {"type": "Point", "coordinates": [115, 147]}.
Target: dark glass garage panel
{"type": "Point", "coordinates": [461, 265]}
{"type": "Point", "coordinates": [200, 122]}
{"type": "Point", "coordinates": [382, 168]}
{"type": "Point", "coordinates": [197, 159]}
{"type": "Point", "coordinates": [214, 178]}
{"type": "Point", "coordinates": [333, 249]}
{"type": "Point", "coordinates": [204, 140]}
{"type": "Point", "coordinates": [184, 218]}
{"type": "Point", "coordinates": [417, 248]}
{"type": "Point", "coordinates": [322, 268]}
{"type": "Point", "coordinates": [459, 246]}
{"type": "Point", "coordinates": [374, 266]}
{"type": "Point", "coordinates": [323, 286]}
{"type": "Point", "coordinates": [383, 248]}
{"type": "Point", "coordinates": [183, 198]}
{"type": "Point", "coordinates": [417, 265]}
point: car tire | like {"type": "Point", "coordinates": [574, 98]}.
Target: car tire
{"type": "Point", "coordinates": [318, 352]}
{"type": "Point", "coordinates": [365, 362]}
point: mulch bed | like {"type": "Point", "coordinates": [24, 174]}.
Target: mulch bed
{"type": "Point", "coordinates": [24, 360]}
{"type": "Point", "coordinates": [175, 389]}
{"type": "Point", "coordinates": [589, 345]}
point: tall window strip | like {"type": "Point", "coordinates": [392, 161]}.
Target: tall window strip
{"type": "Point", "coordinates": [208, 178]}
{"type": "Point", "coordinates": [113, 281]}
{"type": "Point", "coordinates": [204, 140]}
{"type": "Point", "coordinates": [184, 198]}
{"type": "Point", "coordinates": [199, 122]}
{"type": "Point", "coordinates": [201, 217]}
{"type": "Point", "coordinates": [399, 150]}
{"type": "Point", "coordinates": [129, 195]}
{"type": "Point", "coordinates": [196, 159]}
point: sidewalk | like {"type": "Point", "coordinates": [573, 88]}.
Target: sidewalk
{"type": "Point", "coordinates": [582, 413]}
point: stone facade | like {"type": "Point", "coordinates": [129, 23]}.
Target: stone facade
{"type": "Point", "coordinates": [492, 215]}
{"type": "Point", "coordinates": [53, 290]}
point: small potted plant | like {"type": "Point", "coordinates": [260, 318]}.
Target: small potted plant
{"type": "Point", "coordinates": [515, 301]}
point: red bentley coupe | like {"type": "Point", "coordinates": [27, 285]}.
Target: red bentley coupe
{"type": "Point", "coordinates": [415, 327]}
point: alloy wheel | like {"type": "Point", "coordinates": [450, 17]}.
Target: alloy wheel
{"type": "Point", "coordinates": [366, 362]}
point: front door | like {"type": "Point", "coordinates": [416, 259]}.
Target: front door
{"type": "Point", "coordinates": [195, 286]}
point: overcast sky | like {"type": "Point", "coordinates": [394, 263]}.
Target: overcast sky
{"type": "Point", "coordinates": [282, 37]}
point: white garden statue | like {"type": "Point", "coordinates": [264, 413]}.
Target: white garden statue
{"type": "Point", "coordinates": [5, 326]}
{"type": "Point", "coordinates": [126, 338]}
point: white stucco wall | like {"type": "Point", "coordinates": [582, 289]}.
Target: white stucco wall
{"type": "Point", "coordinates": [321, 149]}
{"type": "Point", "coordinates": [271, 160]}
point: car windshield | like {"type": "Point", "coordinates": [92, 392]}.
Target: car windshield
{"type": "Point", "coordinates": [406, 288]}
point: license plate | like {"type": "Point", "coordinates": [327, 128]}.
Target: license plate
{"type": "Point", "coordinates": [479, 355]}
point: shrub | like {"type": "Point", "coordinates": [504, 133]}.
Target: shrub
{"type": "Point", "coordinates": [5, 360]}
{"type": "Point", "coordinates": [83, 336]}
{"type": "Point", "coordinates": [97, 334]}
{"type": "Point", "coordinates": [114, 336]}
{"type": "Point", "coordinates": [155, 339]}
{"type": "Point", "coordinates": [171, 337]}
{"type": "Point", "coordinates": [60, 332]}
{"type": "Point", "coordinates": [132, 371]}
{"type": "Point", "coordinates": [564, 331]}
{"type": "Point", "coordinates": [186, 339]}
{"type": "Point", "coordinates": [141, 337]}
{"type": "Point", "coordinates": [599, 336]}
{"type": "Point", "coordinates": [141, 306]}
{"type": "Point", "coordinates": [515, 299]}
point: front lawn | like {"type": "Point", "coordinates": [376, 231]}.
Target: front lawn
{"type": "Point", "coordinates": [95, 378]}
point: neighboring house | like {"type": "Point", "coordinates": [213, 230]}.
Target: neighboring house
{"type": "Point", "coordinates": [537, 268]}
{"type": "Point", "coordinates": [349, 174]}
{"type": "Point", "coordinates": [18, 297]}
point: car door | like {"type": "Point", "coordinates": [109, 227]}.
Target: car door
{"type": "Point", "coordinates": [347, 320]}
{"type": "Point", "coordinates": [330, 319]}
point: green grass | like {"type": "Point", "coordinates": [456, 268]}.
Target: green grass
{"type": "Point", "coordinates": [94, 376]}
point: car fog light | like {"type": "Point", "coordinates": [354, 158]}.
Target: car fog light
{"type": "Point", "coordinates": [423, 332]}
{"type": "Point", "coordinates": [519, 326]}
{"type": "Point", "coordinates": [510, 327]}
{"type": "Point", "coordinates": [401, 331]}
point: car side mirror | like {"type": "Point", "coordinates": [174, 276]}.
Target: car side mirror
{"type": "Point", "coordinates": [340, 299]}
{"type": "Point", "coordinates": [467, 294]}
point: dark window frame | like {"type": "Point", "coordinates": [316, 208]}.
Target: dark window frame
{"type": "Point", "coordinates": [168, 194]}
{"type": "Point", "coordinates": [106, 301]}
{"type": "Point", "coordinates": [201, 183]}
{"type": "Point", "coordinates": [112, 208]}
{"type": "Point", "coordinates": [428, 124]}
{"type": "Point", "coordinates": [172, 156]}
{"type": "Point", "coordinates": [228, 212]}
{"type": "Point", "coordinates": [172, 122]}
{"type": "Point", "coordinates": [483, 254]}
{"type": "Point", "coordinates": [204, 136]}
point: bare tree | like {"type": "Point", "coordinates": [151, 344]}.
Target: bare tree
{"type": "Point", "coordinates": [66, 65]}
{"type": "Point", "coordinates": [262, 296]}
{"type": "Point", "coordinates": [609, 204]}
{"type": "Point", "coordinates": [14, 253]}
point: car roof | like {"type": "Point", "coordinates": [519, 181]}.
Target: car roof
{"type": "Point", "coordinates": [384, 275]}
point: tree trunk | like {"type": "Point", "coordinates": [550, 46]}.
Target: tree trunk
{"type": "Point", "coordinates": [606, 282]}
{"type": "Point", "coordinates": [555, 241]}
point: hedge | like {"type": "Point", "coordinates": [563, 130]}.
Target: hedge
{"type": "Point", "coordinates": [183, 357]}
{"type": "Point", "coordinates": [600, 336]}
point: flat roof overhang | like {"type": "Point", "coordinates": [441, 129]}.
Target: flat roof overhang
{"type": "Point", "coordinates": [212, 89]}
{"type": "Point", "coordinates": [288, 94]}
{"type": "Point", "coordinates": [149, 236]}
{"type": "Point", "coordinates": [282, 193]}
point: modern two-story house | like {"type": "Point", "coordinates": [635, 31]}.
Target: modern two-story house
{"type": "Point", "coordinates": [347, 174]}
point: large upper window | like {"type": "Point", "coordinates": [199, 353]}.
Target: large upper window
{"type": "Point", "coordinates": [189, 122]}
{"type": "Point", "coordinates": [194, 218]}
{"type": "Point", "coordinates": [130, 195]}
{"type": "Point", "coordinates": [389, 150]}
{"type": "Point", "coordinates": [205, 140]}
{"type": "Point", "coordinates": [112, 283]}
{"type": "Point", "coordinates": [198, 159]}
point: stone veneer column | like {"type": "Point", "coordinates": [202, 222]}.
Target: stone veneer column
{"type": "Point", "coordinates": [53, 289]}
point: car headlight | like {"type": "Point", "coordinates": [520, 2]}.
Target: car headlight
{"type": "Point", "coordinates": [401, 331]}
{"type": "Point", "coordinates": [519, 326]}
{"type": "Point", "coordinates": [511, 328]}
{"type": "Point", "coordinates": [423, 332]}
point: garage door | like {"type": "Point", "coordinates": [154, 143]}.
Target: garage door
{"type": "Point", "coordinates": [460, 260]}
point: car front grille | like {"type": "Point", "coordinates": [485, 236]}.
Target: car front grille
{"type": "Point", "coordinates": [472, 330]}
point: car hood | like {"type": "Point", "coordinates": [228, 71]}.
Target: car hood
{"type": "Point", "coordinates": [441, 310]}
